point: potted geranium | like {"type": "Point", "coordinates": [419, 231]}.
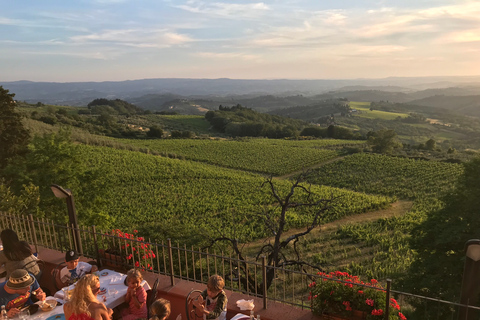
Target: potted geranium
{"type": "Point", "coordinates": [338, 295]}
{"type": "Point", "coordinates": [127, 250]}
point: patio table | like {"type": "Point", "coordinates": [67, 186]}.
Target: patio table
{"type": "Point", "coordinates": [113, 289]}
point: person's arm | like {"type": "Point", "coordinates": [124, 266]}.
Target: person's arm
{"type": "Point", "coordinates": [12, 312]}
{"type": "Point", "coordinates": [101, 312]}
{"type": "Point", "coordinates": [3, 258]}
{"type": "Point", "coordinates": [139, 297]}
{"type": "Point", "coordinates": [67, 310]}
{"type": "Point", "coordinates": [40, 294]}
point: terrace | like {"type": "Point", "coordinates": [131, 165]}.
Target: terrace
{"type": "Point", "coordinates": [181, 269]}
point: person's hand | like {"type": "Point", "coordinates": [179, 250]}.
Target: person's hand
{"type": "Point", "coordinates": [40, 295]}
{"type": "Point", "coordinates": [110, 312]}
{"type": "Point", "coordinates": [12, 312]}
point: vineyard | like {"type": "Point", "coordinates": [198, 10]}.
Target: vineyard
{"type": "Point", "coordinates": [180, 199]}
{"type": "Point", "coordinates": [380, 174]}
{"type": "Point", "coordinates": [268, 156]}
{"type": "Point", "coordinates": [380, 248]}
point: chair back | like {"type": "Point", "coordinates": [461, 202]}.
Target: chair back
{"type": "Point", "coordinates": [193, 298]}
{"type": "Point", "coordinates": [57, 282]}
{"type": "Point", "coordinates": [151, 296]}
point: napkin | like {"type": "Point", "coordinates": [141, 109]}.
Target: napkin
{"type": "Point", "coordinates": [118, 279]}
{"type": "Point", "coordinates": [245, 304]}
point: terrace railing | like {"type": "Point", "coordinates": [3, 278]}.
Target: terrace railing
{"type": "Point", "coordinates": [179, 262]}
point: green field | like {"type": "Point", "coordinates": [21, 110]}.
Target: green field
{"type": "Point", "coordinates": [364, 111]}
{"type": "Point", "coordinates": [268, 156]}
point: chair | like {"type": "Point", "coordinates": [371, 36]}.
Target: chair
{"type": "Point", "coordinates": [190, 309]}
{"type": "Point", "coordinates": [151, 297]}
{"type": "Point", "coordinates": [57, 283]}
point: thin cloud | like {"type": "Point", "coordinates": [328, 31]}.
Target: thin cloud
{"type": "Point", "coordinates": [226, 10]}
{"type": "Point", "coordinates": [135, 38]}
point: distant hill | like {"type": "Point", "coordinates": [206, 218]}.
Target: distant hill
{"type": "Point", "coordinates": [81, 93]}
{"type": "Point", "coordinates": [467, 105]}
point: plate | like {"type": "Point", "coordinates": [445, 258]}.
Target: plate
{"type": "Point", "coordinates": [102, 291]}
{"type": "Point", "coordinates": [60, 316]}
{"type": "Point", "coordinates": [104, 274]}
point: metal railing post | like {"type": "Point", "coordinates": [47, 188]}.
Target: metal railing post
{"type": "Point", "coordinates": [95, 245]}
{"type": "Point", "coordinates": [33, 232]}
{"type": "Point", "coordinates": [264, 280]}
{"type": "Point", "coordinates": [170, 257]}
{"type": "Point", "coordinates": [387, 303]}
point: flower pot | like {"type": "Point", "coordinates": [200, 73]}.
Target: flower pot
{"type": "Point", "coordinates": [111, 260]}
{"type": "Point", "coordinates": [355, 315]}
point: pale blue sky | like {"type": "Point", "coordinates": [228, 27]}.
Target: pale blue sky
{"type": "Point", "coordinates": [98, 40]}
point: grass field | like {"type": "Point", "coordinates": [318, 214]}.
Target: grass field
{"type": "Point", "coordinates": [364, 111]}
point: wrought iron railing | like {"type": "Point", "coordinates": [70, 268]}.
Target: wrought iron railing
{"type": "Point", "coordinates": [177, 262]}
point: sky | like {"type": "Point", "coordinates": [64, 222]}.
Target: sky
{"type": "Point", "coordinates": [116, 40]}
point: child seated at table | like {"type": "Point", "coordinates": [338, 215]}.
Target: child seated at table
{"type": "Point", "coordinates": [214, 302]}
{"type": "Point", "coordinates": [136, 297]}
{"type": "Point", "coordinates": [75, 269]}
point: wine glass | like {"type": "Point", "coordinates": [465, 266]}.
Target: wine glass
{"type": "Point", "coordinates": [24, 314]}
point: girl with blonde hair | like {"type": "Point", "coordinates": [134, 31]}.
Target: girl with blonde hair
{"type": "Point", "coordinates": [83, 304]}
{"type": "Point", "coordinates": [136, 297]}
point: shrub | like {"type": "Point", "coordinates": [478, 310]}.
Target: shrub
{"type": "Point", "coordinates": [339, 293]}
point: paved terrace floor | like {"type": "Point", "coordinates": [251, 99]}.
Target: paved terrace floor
{"type": "Point", "coordinates": [177, 293]}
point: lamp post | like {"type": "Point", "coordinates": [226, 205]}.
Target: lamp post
{"type": "Point", "coordinates": [60, 192]}
{"type": "Point", "coordinates": [471, 279]}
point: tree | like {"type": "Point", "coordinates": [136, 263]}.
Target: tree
{"type": "Point", "coordinates": [441, 238]}
{"type": "Point", "coordinates": [430, 144]}
{"type": "Point", "coordinates": [155, 132]}
{"type": "Point", "coordinates": [14, 137]}
{"type": "Point", "coordinates": [383, 141]}
{"type": "Point", "coordinates": [275, 220]}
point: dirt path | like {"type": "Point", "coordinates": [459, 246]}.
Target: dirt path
{"type": "Point", "coordinates": [396, 209]}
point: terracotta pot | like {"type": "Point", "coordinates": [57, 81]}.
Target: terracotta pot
{"type": "Point", "coordinates": [356, 315]}
{"type": "Point", "coordinates": [111, 260]}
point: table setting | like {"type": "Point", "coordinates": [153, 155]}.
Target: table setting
{"type": "Point", "coordinates": [112, 288]}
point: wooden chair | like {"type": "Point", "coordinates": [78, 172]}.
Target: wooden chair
{"type": "Point", "coordinates": [57, 283]}
{"type": "Point", "coordinates": [192, 311]}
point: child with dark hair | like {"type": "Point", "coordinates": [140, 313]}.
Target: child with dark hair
{"type": "Point", "coordinates": [75, 268]}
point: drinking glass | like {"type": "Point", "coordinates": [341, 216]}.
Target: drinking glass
{"type": "Point", "coordinates": [24, 314]}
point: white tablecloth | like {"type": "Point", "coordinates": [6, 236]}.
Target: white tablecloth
{"type": "Point", "coordinates": [115, 289]}
{"type": "Point", "coordinates": [42, 315]}
{"type": "Point", "coordinates": [240, 316]}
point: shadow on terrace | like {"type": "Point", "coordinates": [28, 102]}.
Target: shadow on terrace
{"type": "Point", "coordinates": [291, 295]}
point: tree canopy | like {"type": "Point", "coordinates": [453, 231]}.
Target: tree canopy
{"type": "Point", "coordinates": [13, 136]}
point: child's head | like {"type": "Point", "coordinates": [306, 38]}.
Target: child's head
{"type": "Point", "coordinates": [215, 284]}
{"type": "Point", "coordinates": [160, 309]}
{"type": "Point", "coordinates": [134, 278]}
{"type": "Point", "coordinates": [71, 259]}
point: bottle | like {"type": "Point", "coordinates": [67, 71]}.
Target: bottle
{"type": "Point", "coordinates": [258, 317]}
{"type": "Point", "coordinates": [252, 315]}
{"type": "Point", "coordinates": [4, 313]}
